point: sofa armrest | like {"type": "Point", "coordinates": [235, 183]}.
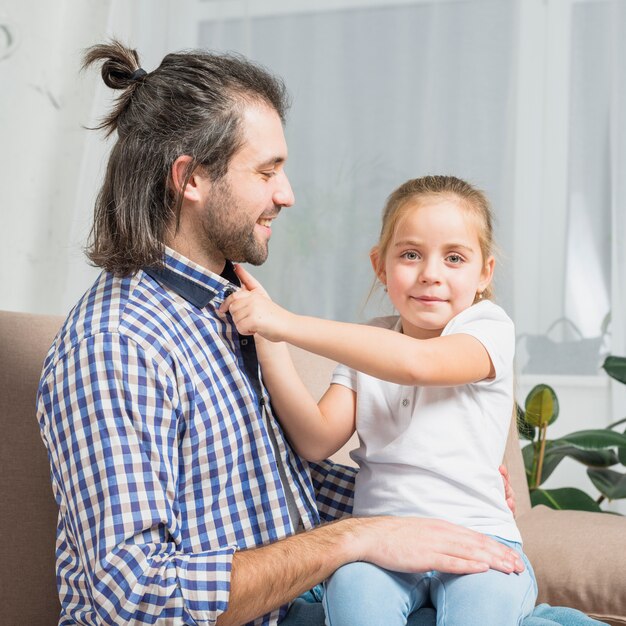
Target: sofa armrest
{"type": "Point", "coordinates": [579, 559]}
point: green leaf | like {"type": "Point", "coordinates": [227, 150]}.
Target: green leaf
{"type": "Point", "coordinates": [593, 439]}
{"type": "Point", "coordinates": [542, 406]}
{"type": "Point", "coordinates": [550, 463]}
{"type": "Point", "coordinates": [615, 367]}
{"type": "Point", "coordinates": [555, 452]}
{"type": "Point", "coordinates": [590, 458]}
{"type": "Point", "coordinates": [524, 429]}
{"type": "Point", "coordinates": [565, 498]}
{"type": "Point", "coordinates": [609, 483]}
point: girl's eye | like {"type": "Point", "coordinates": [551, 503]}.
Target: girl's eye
{"type": "Point", "coordinates": [455, 258]}
{"type": "Point", "coordinates": [411, 256]}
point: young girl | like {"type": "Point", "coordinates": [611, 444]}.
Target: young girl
{"type": "Point", "coordinates": [430, 393]}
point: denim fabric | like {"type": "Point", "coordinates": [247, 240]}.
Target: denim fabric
{"type": "Point", "coordinates": [307, 613]}
{"type": "Point", "coordinates": [308, 610]}
{"type": "Point", "coordinates": [546, 615]}
{"type": "Point", "coordinates": [364, 594]}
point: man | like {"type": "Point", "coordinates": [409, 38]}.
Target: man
{"type": "Point", "coordinates": [179, 497]}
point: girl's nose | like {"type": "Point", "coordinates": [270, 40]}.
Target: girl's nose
{"type": "Point", "coordinates": [430, 272]}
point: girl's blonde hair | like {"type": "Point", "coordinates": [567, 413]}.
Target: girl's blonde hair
{"type": "Point", "coordinates": [405, 197]}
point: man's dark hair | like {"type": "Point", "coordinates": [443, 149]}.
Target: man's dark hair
{"type": "Point", "coordinates": [192, 104]}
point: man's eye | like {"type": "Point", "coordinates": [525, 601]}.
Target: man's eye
{"type": "Point", "coordinates": [269, 174]}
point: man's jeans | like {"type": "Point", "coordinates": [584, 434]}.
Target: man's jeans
{"type": "Point", "coordinates": [307, 610]}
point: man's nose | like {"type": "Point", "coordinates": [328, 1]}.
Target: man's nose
{"type": "Point", "coordinates": [283, 195]}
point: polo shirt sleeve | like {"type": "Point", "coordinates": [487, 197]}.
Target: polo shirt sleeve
{"type": "Point", "coordinates": [488, 323]}
{"type": "Point", "coordinates": [345, 376]}
{"type": "Point", "coordinates": [110, 418]}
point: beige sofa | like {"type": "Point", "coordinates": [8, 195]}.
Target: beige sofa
{"type": "Point", "coordinates": [579, 558]}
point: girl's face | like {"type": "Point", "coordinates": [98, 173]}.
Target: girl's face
{"type": "Point", "coordinates": [434, 266]}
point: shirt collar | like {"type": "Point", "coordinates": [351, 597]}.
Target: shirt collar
{"type": "Point", "coordinates": [191, 281]}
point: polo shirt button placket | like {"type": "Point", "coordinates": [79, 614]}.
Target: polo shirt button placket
{"type": "Point", "coordinates": [405, 402]}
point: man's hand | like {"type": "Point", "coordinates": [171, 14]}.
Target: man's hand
{"type": "Point", "coordinates": [252, 309]}
{"type": "Point", "coordinates": [509, 494]}
{"type": "Point", "coordinates": [264, 578]}
{"type": "Point", "coordinates": [406, 544]}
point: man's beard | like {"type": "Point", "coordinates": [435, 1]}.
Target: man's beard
{"type": "Point", "coordinates": [229, 230]}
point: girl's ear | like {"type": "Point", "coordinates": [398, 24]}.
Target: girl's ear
{"type": "Point", "coordinates": [191, 185]}
{"type": "Point", "coordinates": [378, 265]}
{"type": "Point", "coordinates": [486, 274]}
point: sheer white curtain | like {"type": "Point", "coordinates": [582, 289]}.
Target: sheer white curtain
{"type": "Point", "coordinates": [44, 101]}
{"type": "Point", "coordinates": [518, 97]}
{"type": "Point", "coordinates": [51, 164]}
{"type": "Point", "coordinates": [524, 98]}
{"type": "Point", "coordinates": [381, 93]}
{"type": "Point", "coordinates": [617, 158]}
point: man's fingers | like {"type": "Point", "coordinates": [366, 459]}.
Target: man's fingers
{"type": "Point", "coordinates": [418, 545]}
{"type": "Point", "coordinates": [509, 493]}
{"type": "Point", "coordinates": [456, 565]}
{"type": "Point", "coordinates": [505, 477]}
{"type": "Point", "coordinates": [478, 548]}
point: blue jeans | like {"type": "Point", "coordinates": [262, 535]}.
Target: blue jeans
{"type": "Point", "coordinates": [306, 611]}
{"type": "Point", "coordinates": [364, 594]}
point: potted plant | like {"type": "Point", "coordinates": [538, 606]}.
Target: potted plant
{"type": "Point", "coordinates": [603, 451]}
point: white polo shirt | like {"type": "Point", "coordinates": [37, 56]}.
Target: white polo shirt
{"type": "Point", "coordinates": [435, 451]}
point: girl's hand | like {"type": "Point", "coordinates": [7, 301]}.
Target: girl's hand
{"type": "Point", "coordinates": [252, 309]}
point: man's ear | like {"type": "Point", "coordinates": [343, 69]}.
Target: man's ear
{"type": "Point", "coordinates": [377, 265]}
{"type": "Point", "coordinates": [191, 185]}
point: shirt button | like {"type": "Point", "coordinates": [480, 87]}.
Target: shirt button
{"type": "Point", "coordinates": [229, 291]}
{"type": "Point", "coordinates": [405, 402]}
{"type": "Point", "coordinates": [244, 342]}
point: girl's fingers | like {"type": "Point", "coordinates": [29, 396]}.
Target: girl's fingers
{"type": "Point", "coordinates": [247, 280]}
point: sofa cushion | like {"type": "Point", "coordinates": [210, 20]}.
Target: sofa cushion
{"type": "Point", "coordinates": [579, 559]}
{"type": "Point", "coordinates": [28, 520]}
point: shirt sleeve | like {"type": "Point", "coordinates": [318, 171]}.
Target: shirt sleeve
{"type": "Point", "coordinates": [346, 376]}
{"type": "Point", "coordinates": [488, 323]}
{"type": "Point", "coordinates": [110, 418]}
{"type": "Point", "coordinates": [334, 489]}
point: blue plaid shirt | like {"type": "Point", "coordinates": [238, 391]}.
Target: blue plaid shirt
{"type": "Point", "coordinates": [152, 409]}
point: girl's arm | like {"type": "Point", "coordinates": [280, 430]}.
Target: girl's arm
{"type": "Point", "coordinates": [450, 360]}
{"type": "Point", "coordinates": [315, 430]}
